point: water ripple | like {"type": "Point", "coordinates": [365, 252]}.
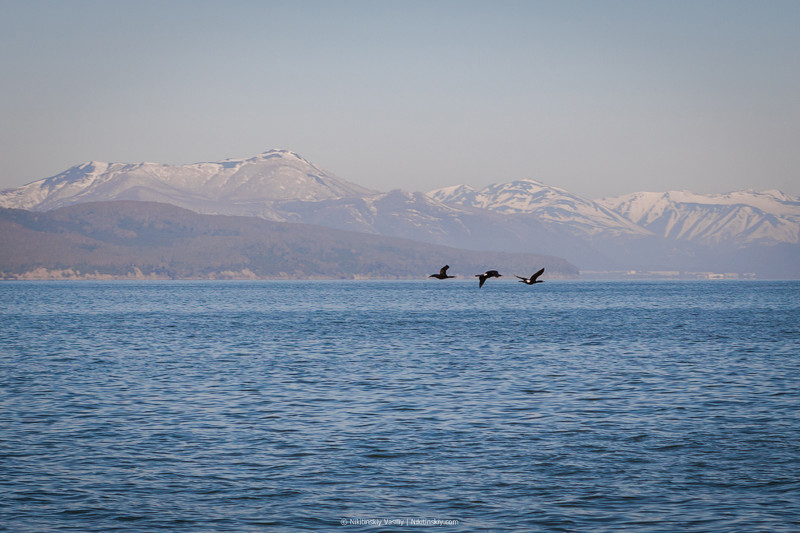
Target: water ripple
{"type": "Point", "coordinates": [294, 405]}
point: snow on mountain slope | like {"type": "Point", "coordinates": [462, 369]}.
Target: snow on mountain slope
{"type": "Point", "coordinates": [396, 214]}
{"type": "Point", "coordinates": [419, 217]}
{"type": "Point", "coordinates": [550, 205]}
{"type": "Point", "coordinates": [235, 186]}
{"type": "Point", "coordinates": [743, 217]}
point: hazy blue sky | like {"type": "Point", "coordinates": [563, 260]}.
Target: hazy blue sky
{"type": "Point", "coordinates": [597, 97]}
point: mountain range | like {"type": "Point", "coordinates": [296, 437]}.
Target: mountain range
{"type": "Point", "coordinates": [745, 231]}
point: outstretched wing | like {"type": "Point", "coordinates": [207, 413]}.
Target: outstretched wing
{"type": "Point", "coordinates": [481, 280]}
{"type": "Point", "coordinates": [443, 271]}
{"type": "Point", "coordinates": [520, 277]}
{"type": "Point", "coordinates": [535, 276]}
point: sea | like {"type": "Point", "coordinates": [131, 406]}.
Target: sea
{"type": "Point", "coordinates": [350, 406]}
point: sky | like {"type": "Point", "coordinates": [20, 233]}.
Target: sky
{"type": "Point", "coordinates": [600, 98]}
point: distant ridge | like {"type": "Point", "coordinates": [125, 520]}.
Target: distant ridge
{"type": "Point", "coordinates": [742, 217]}
{"type": "Point", "coordinates": [552, 205]}
{"type": "Point", "coordinates": [132, 239]}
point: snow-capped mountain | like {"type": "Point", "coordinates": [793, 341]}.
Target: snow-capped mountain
{"type": "Point", "coordinates": [742, 217]}
{"type": "Point", "coordinates": [234, 186]}
{"type": "Point", "coordinates": [550, 205]}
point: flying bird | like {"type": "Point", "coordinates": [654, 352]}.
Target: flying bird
{"type": "Point", "coordinates": [533, 279]}
{"type": "Point", "coordinates": [486, 275]}
{"type": "Point", "coordinates": [442, 273]}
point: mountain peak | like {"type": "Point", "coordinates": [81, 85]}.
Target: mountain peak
{"type": "Point", "coordinates": [525, 182]}
{"type": "Point", "coordinates": [243, 186]}
{"type": "Point", "coordinates": [519, 196]}
{"type": "Point", "coordinates": [276, 152]}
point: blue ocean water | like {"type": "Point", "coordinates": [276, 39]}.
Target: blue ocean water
{"type": "Point", "coordinates": [400, 406]}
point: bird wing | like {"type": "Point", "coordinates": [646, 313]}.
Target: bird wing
{"type": "Point", "coordinates": [443, 271]}
{"type": "Point", "coordinates": [533, 278]}
{"type": "Point", "coordinates": [481, 280]}
{"type": "Point", "coordinates": [520, 277]}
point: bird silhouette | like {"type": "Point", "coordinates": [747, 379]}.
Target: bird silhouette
{"type": "Point", "coordinates": [533, 279]}
{"type": "Point", "coordinates": [486, 275]}
{"type": "Point", "coordinates": [442, 273]}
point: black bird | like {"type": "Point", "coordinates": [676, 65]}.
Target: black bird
{"type": "Point", "coordinates": [533, 279]}
{"type": "Point", "coordinates": [442, 273]}
{"type": "Point", "coordinates": [486, 275]}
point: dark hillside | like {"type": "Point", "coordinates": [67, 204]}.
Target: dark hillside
{"type": "Point", "coordinates": [145, 239]}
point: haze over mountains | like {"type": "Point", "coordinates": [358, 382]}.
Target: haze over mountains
{"type": "Point", "coordinates": [745, 231]}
